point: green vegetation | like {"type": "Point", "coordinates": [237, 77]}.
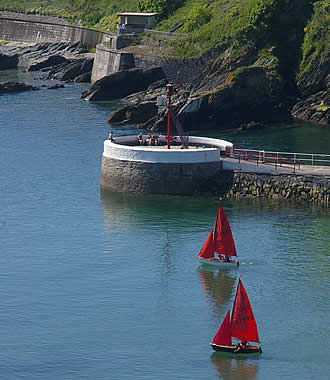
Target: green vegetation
{"type": "Point", "coordinates": [316, 41]}
{"type": "Point", "coordinates": [90, 12]}
{"type": "Point", "coordinates": [213, 25]}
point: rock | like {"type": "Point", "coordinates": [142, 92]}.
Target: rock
{"type": "Point", "coordinates": [251, 125]}
{"type": "Point", "coordinates": [123, 83]}
{"type": "Point", "coordinates": [70, 69]}
{"type": "Point", "coordinates": [230, 99]}
{"type": "Point", "coordinates": [13, 87]}
{"type": "Point", "coordinates": [8, 61]}
{"type": "Point", "coordinates": [48, 62]}
{"type": "Point", "coordinates": [315, 79]}
{"type": "Point", "coordinates": [315, 108]}
{"type": "Point", "coordinates": [134, 114]}
{"type": "Point", "coordinates": [83, 78]}
{"type": "Point", "coordinates": [77, 68]}
{"type": "Point", "coordinates": [55, 86]}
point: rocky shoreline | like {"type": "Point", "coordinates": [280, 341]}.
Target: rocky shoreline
{"type": "Point", "coordinates": [245, 92]}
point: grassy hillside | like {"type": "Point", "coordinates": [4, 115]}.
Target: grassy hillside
{"type": "Point", "coordinates": [297, 29]}
{"type": "Point", "coordinates": [90, 12]}
{"type": "Point", "coordinates": [211, 24]}
{"type": "Point", "coordinates": [317, 38]}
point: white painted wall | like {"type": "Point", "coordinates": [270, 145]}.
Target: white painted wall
{"type": "Point", "coordinates": [209, 153]}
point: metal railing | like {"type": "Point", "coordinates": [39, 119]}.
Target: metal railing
{"type": "Point", "coordinates": [281, 159]}
{"type": "Point", "coordinates": [274, 159]}
{"type": "Point", "coordinates": [169, 35]}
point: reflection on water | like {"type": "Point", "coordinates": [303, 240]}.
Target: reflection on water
{"type": "Point", "coordinates": [229, 368]}
{"type": "Point", "coordinates": [218, 285]}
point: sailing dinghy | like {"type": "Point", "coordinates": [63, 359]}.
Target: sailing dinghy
{"type": "Point", "coordinates": [241, 325]}
{"type": "Point", "coordinates": [220, 242]}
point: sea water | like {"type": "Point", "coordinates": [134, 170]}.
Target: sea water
{"type": "Point", "coordinates": [101, 285]}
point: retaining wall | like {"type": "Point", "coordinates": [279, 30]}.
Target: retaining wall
{"type": "Point", "coordinates": [30, 30]}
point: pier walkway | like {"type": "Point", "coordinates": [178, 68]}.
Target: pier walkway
{"type": "Point", "coordinates": [255, 161]}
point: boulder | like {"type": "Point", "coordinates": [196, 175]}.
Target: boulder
{"type": "Point", "coordinates": [77, 68]}
{"type": "Point", "coordinates": [123, 83]}
{"type": "Point", "coordinates": [13, 87]}
{"type": "Point", "coordinates": [83, 78]}
{"type": "Point", "coordinates": [8, 61]}
{"type": "Point", "coordinates": [48, 63]}
{"type": "Point", "coordinates": [134, 114]}
{"type": "Point", "coordinates": [69, 70]}
{"type": "Point", "coordinates": [315, 108]}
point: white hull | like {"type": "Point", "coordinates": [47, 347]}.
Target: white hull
{"type": "Point", "coordinates": [218, 263]}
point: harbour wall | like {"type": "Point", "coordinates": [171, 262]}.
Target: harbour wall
{"type": "Point", "coordinates": [204, 169]}
{"type": "Point", "coordinates": [298, 187]}
{"type": "Point", "coordinates": [210, 179]}
{"type": "Point", "coordinates": [160, 178]}
{"type": "Point", "coordinates": [129, 167]}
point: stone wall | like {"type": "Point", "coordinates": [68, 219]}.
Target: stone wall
{"type": "Point", "coordinates": [159, 178]}
{"type": "Point", "coordinates": [279, 186]}
{"type": "Point", "coordinates": [210, 179]}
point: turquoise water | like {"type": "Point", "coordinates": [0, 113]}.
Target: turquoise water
{"type": "Point", "coordinates": [99, 285]}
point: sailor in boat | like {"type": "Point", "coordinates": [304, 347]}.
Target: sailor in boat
{"type": "Point", "coordinates": [241, 345]}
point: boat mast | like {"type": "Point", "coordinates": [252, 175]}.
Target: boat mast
{"type": "Point", "coordinates": [169, 93]}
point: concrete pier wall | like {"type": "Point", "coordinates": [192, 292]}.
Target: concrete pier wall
{"type": "Point", "coordinates": [160, 178]}
{"type": "Point", "coordinates": [204, 169]}
{"type": "Point", "coordinates": [144, 169]}
{"type": "Point", "coordinates": [108, 61]}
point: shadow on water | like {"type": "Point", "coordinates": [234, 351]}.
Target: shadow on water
{"type": "Point", "coordinates": [218, 285]}
{"type": "Point", "coordinates": [229, 368]}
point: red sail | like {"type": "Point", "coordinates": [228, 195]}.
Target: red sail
{"type": "Point", "coordinates": [223, 238]}
{"type": "Point", "coordinates": [223, 336]}
{"type": "Point", "coordinates": [207, 250]}
{"type": "Point", "coordinates": [243, 324]}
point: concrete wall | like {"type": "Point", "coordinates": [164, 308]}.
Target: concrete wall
{"type": "Point", "coordinates": [108, 61]}
{"type": "Point", "coordinates": [27, 30]}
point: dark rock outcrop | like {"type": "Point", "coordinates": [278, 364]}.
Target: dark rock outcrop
{"type": "Point", "coordinates": [134, 114]}
{"type": "Point", "coordinates": [8, 61]}
{"type": "Point", "coordinates": [14, 87]}
{"type": "Point", "coordinates": [69, 70]}
{"type": "Point", "coordinates": [123, 83]}
{"type": "Point", "coordinates": [237, 91]}
{"type": "Point", "coordinates": [315, 108]}
{"type": "Point", "coordinates": [48, 62]}
{"type": "Point", "coordinates": [60, 61]}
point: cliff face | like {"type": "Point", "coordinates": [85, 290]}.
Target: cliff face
{"type": "Point", "coordinates": [258, 60]}
{"type": "Point", "coordinates": [259, 81]}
